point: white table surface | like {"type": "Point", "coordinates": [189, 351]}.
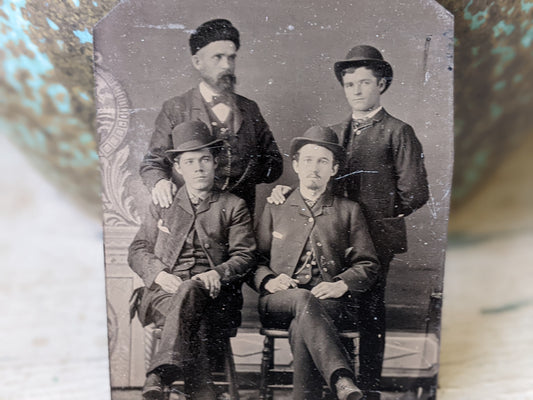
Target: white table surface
{"type": "Point", "coordinates": [53, 329]}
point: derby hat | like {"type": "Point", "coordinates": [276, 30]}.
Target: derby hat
{"type": "Point", "coordinates": [191, 136]}
{"type": "Point", "coordinates": [320, 136]}
{"type": "Point", "coordinates": [364, 56]}
{"type": "Point", "coordinates": [212, 31]}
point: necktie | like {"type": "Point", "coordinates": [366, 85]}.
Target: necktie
{"type": "Point", "coordinates": [218, 99]}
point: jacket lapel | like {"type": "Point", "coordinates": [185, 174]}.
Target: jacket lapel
{"type": "Point", "coordinates": [326, 200]}
{"type": "Point", "coordinates": [206, 204]}
{"type": "Point", "coordinates": [179, 219]}
{"type": "Point", "coordinates": [238, 111]}
{"type": "Point", "coordinates": [198, 110]}
{"type": "Point", "coordinates": [296, 200]}
{"type": "Point", "coordinates": [344, 130]}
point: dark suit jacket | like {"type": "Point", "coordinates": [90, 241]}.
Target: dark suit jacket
{"type": "Point", "coordinates": [338, 234]}
{"type": "Point", "coordinates": [255, 149]}
{"type": "Point", "coordinates": [224, 228]}
{"type": "Point", "coordinates": [386, 176]}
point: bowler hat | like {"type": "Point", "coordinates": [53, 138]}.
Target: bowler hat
{"type": "Point", "coordinates": [320, 136]}
{"type": "Point", "coordinates": [363, 56]}
{"type": "Point", "coordinates": [191, 136]}
{"type": "Point", "coordinates": [212, 31]}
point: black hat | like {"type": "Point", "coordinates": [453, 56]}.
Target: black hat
{"type": "Point", "coordinates": [362, 56]}
{"type": "Point", "coordinates": [320, 136]}
{"type": "Point", "coordinates": [191, 136]}
{"type": "Point", "coordinates": [212, 31]}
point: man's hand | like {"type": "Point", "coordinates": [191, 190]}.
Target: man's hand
{"type": "Point", "coordinates": [163, 192]}
{"type": "Point", "coordinates": [280, 282]}
{"type": "Point", "coordinates": [329, 290]}
{"type": "Point", "coordinates": [211, 281]}
{"type": "Point", "coordinates": [168, 282]}
{"type": "Point", "coordinates": [278, 195]}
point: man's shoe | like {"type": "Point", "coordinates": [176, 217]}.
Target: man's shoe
{"type": "Point", "coordinates": [204, 392]}
{"type": "Point", "coordinates": [346, 389]}
{"type": "Point", "coordinates": [153, 388]}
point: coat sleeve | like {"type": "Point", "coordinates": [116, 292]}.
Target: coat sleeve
{"type": "Point", "coordinates": [141, 257]}
{"type": "Point", "coordinates": [270, 162]}
{"type": "Point", "coordinates": [411, 186]}
{"type": "Point", "coordinates": [241, 243]}
{"type": "Point", "coordinates": [364, 266]}
{"type": "Point", "coordinates": [264, 241]}
{"type": "Point", "coordinates": [155, 165]}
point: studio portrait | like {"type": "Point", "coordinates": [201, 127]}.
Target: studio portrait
{"type": "Point", "coordinates": [276, 187]}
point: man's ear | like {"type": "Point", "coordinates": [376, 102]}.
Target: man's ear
{"type": "Point", "coordinates": [335, 169]}
{"type": "Point", "coordinates": [295, 166]}
{"type": "Point", "coordinates": [177, 167]}
{"type": "Point", "coordinates": [215, 161]}
{"type": "Point", "coordinates": [382, 84]}
{"type": "Point", "coordinates": [195, 60]}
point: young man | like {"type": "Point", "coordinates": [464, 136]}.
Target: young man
{"type": "Point", "coordinates": [192, 258]}
{"type": "Point", "coordinates": [249, 155]}
{"type": "Point", "coordinates": [384, 172]}
{"type": "Point", "coordinates": [317, 259]}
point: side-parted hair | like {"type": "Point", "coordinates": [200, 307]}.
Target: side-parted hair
{"type": "Point", "coordinates": [378, 71]}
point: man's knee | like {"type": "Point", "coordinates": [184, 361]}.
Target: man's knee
{"type": "Point", "coordinates": [189, 293]}
{"type": "Point", "coordinates": [192, 286]}
{"type": "Point", "coordinates": [303, 301]}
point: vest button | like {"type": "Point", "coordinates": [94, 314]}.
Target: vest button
{"type": "Point", "coordinates": [207, 245]}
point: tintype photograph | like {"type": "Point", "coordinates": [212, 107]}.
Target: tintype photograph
{"type": "Point", "coordinates": [276, 185]}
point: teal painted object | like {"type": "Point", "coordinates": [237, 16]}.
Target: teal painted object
{"type": "Point", "coordinates": [46, 88]}
{"type": "Point", "coordinates": [493, 100]}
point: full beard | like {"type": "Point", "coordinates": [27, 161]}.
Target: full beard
{"type": "Point", "coordinates": [225, 83]}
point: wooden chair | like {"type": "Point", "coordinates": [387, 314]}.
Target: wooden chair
{"type": "Point", "coordinates": [271, 376]}
{"type": "Point", "coordinates": [229, 376]}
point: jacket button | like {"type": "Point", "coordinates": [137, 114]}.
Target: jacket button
{"type": "Point", "coordinates": [325, 269]}
{"type": "Point", "coordinates": [310, 219]}
{"type": "Point", "coordinates": [207, 245]}
{"type": "Point", "coordinates": [319, 244]}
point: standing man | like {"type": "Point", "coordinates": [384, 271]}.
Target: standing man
{"type": "Point", "coordinates": [317, 260]}
{"type": "Point", "coordinates": [192, 258]}
{"type": "Point", "coordinates": [384, 172]}
{"type": "Point", "coordinates": [249, 155]}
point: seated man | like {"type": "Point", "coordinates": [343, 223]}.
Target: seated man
{"type": "Point", "coordinates": [317, 258]}
{"type": "Point", "coordinates": [192, 258]}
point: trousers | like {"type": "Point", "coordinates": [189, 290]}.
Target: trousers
{"type": "Point", "coordinates": [372, 329]}
{"type": "Point", "coordinates": [189, 334]}
{"type": "Point", "coordinates": [318, 353]}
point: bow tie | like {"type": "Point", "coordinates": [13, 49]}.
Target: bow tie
{"type": "Point", "coordinates": [217, 99]}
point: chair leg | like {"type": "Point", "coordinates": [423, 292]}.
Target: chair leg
{"type": "Point", "coordinates": [231, 374]}
{"type": "Point", "coordinates": [266, 365]}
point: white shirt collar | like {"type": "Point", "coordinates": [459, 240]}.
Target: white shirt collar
{"type": "Point", "coordinates": [206, 92]}
{"type": "Point", "coordinates": [370, 114]}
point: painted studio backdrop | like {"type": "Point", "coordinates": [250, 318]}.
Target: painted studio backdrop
{"type": "Point", "coordinates": [285, 64]}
